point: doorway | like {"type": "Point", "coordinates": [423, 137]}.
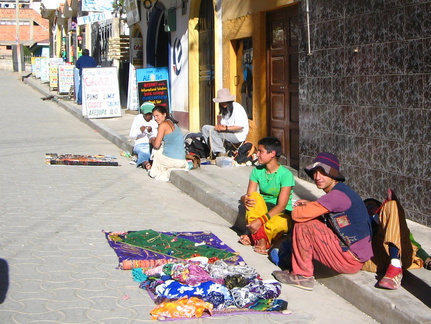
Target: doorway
{"type": "Point", "coordinates": [157, 39]}
{"type": "Point", "coordinates": [283, 80]}
{"type": "Point", "coordinates": [206, 63]}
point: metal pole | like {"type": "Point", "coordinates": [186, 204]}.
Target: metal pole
{"type": "Point", "coordinates": [308, 27]}
{"type": "Point", "coordinates": [18, 47]}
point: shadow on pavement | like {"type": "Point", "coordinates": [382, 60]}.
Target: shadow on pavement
{"type": "Point", "coordinates": [4, 280]}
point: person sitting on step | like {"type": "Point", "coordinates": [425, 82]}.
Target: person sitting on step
{"type": "Point", "coordinates": [334, 230]}
{"type": "Point", "coordinates": [233, 126]}
{"type": "Point", "coordinates": [393, 245]}
{"type": "Point", "coordinates": [268, 211]}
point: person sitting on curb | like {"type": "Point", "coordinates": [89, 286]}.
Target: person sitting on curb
{"type": "Point", "coordinates": [393, 245]}
{"type": "Point", "coordinates": [335, 229]}
{"type": "Point", "coordinates": [143, 125]}
{"type": "Point", "coordinates": [268, 211]}
{"type": "Point", "coordinates": [170, 153]}
{"type": "Point", "coordinates": [233, 126]}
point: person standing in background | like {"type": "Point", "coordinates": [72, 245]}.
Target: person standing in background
{"type": "Point", "coordinates": [85, 61]}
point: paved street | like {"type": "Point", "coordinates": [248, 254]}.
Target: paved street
{"type": "Point", "coordinates": [56, 266]}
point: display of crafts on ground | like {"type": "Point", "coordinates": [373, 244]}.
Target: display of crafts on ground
{"type": "Point", "coordinates": [193, 274]}
{"type": "Point", "coordinates": [75, 159]}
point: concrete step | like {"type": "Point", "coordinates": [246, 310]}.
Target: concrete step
{"type": "Point", "coordinates": [220, 189]}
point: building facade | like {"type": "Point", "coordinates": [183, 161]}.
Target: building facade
{"type": "Point", "coordinates": [344, 76]}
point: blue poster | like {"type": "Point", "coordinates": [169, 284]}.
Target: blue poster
{"type": "Point", "coordinates": [153, 85]}
{"type": "Point", "coordinates": [97, 5]}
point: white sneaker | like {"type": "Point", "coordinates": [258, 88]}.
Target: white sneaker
{"type": "Point", "coordinates": [133, 161]}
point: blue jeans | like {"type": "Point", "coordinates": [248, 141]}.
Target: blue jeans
{"type": "Point", "coordinates": [143, 152]}
{"type": "Point", "coordinates": [79, 96]}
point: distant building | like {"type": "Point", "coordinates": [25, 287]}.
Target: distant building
{"type": "Point", "coordinates": [32, 27]}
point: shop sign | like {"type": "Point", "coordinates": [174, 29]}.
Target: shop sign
{"type": "Point", "coordinates": [153, 85]}
{"type": "Point", "coordinates": [100, 92]}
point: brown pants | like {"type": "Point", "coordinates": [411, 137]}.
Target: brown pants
{"type": "Point", "coordinates": [392, 229]}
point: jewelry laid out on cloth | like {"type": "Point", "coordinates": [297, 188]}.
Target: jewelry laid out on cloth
{"type": "Point", "coordinates": [217, 282]}
{"type": "Point", "coordinates": [149, 244]}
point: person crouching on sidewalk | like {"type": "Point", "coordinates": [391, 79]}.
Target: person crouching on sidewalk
{"type": "Point", "coordinates": [268, 211]}
{"type": "Point", "coordinates": [335, 229]}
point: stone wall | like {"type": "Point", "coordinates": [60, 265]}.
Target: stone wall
{"type": "Point", "coordinates": [365, 95]}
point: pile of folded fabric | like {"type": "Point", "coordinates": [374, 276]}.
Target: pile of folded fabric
{"type": "Point", "coordinates": [193, 274]}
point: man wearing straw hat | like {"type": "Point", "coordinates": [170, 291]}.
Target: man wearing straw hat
{"type": "Point", "coordinates": [233, 125]}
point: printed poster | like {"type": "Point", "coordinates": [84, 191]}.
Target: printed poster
{"type": "Point", "coordinates": [53, 72]}
{"type": "Point", "coordinates": [132, 96]}
{"type": "Point", "coordinates": [65, 77]}
{"type": "Point", "coordinates": [100, 92]}
{"type": "Point", "coordinates": [153, 85]}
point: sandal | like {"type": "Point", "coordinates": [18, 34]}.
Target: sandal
{"type": "Point", "coordinates": [245, 240]}
{"type": "Point", "coordinates": [260, 250]}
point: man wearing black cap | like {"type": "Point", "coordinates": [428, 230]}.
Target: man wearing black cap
{"type": "Point", "coordinates": [335, 229]}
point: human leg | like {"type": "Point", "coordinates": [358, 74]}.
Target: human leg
{"type": "Point", "coordinates": [143, 152]}
{"type": "Point", "coordinates": [392, 247]}
{"type": "Point", "coordinates": [392, 231]}
{"type": "Point", "coordinates": [216, 139]}
{"type": "Point", "coordinates": [252, 214]}
{"type": "Point", "coordinates": [314, 240]}
{"type": "Point", "coordinates": [163, 165]}
{"type": "Point", "coordinates": [79, 96]}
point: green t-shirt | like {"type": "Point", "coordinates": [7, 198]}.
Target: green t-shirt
{"type": "Point", "coordinates": [271, 184]}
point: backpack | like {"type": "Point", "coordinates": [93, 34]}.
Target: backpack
{"type": "Point", "coordinates": [245, 152]}
{"type": "Point", "coordinates": [195, 144]}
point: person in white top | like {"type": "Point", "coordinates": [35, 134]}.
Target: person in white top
{"type": "Point", "coordinates": [143, 127]}
{"type": "Point", "coordinates": [233, 125]}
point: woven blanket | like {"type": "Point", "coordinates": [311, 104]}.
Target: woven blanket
{"type": "Point", "coordinates": [181, 288]}
{"type": "Point", "coordinates": [151, 245]}
{"type": "Point", "coordinates": [75, 159]}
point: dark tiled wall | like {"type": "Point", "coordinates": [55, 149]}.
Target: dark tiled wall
{"type": "Point", "coordinates": [365, 95]}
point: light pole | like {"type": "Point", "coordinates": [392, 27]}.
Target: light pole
{"type": "Point", "coordinates": [18, 47]}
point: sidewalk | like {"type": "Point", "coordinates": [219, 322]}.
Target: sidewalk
{"type": "Point", "coordinates": [220, 188]}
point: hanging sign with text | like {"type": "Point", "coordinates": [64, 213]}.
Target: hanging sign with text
{"type": "Point", "coordinates": [153, 85]}
{"type": "Point", "coordinates": [100, 93]}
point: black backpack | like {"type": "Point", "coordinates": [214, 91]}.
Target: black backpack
{"type": "Point", "coordinates": [195, 143]}
{"type": "Point", "coordinates": [245, 152]}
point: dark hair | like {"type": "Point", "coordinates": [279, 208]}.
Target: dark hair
{"type": "Point", "coordinates": [270, 144]}
{"type": "Point", "coordinates": [85, 52]}
{"type": "Point", "coordinates": [373, 200]}
{"type": "Point", "coordinates": [163, 110]}
{"type": "Point", "coordinates": [226, 112]}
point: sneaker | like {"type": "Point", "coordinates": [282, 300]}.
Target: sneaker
{"type": "Point", "coordinates": [299, 281]}
{"type": "Point", "coordinates": [392, 278]}
{"type": "Point", "coordinates": [133, 161]}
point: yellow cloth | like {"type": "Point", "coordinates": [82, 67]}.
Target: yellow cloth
{"type": "Point", "coordinates": [392, 229]}
{"type": "Point", "coordinates": [276, 226]}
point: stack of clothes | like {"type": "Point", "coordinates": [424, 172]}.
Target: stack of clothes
{"type": "Point", "coordinates": [195, 274]}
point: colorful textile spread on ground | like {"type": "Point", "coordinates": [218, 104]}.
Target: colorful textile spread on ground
{"type": "Point", "coordinates": [74, 159]}
{"type": "Point", "coordinates": [146, 245]}
{"type": "Point", "coordinates": [193, 274]}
